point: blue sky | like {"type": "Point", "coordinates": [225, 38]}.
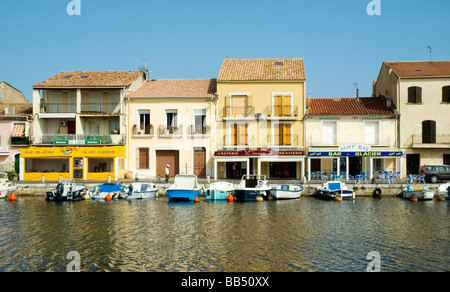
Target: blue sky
{"type": "Point", "coordinates": [340, 42]}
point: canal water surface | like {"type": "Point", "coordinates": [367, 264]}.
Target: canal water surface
{"type": "Point", "coordinates": [273, 236]}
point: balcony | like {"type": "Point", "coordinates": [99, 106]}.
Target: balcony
{"type": "Point", "coordinates": [430, 141]}
{"type": "Point", "coordinates": [238, 113]}
{"type": "Point", "coordinates": [235, 142]}
{"type": "Point", "coordinates": [83, 139]}
{"type": "Point", "coordinates": [279, 112]}
{"type": "Point", "coordinates": [100, 109]}
{"type": "Point", "coordinates": [282, 141]}
{"type": "Point", "coordinates": [198, 130]}
{"type": "Point", "coordinates": [86, 108]}
{"type": "Point", "coordinates": [143, 131]}
{"type": "Point", "coordinates": [170, 131]}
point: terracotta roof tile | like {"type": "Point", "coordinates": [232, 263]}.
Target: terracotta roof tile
{"type": "Point", "coordinates": [86, 79]}
{"type": "Point", "coordinates": [20, 109]}
{"type": "Point", "coordinates": [177, 88]}
{"type": "Point", "coordinates": [348, 106]}
{"type": "Point", "coordinates": [420, 69]}
{"type": "Point", "coordinates": [262, 70]}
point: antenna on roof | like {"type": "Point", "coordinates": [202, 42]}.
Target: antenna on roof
{"type": "Point", "coordinates": [357, 89]}
{"type": "Point", "coordinates": [145, 70]}
{"type": "Point", "coordinates": [429, 50]}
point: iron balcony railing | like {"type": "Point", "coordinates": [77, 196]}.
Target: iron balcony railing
{"type": "Point", "coordinates": [86, 108]}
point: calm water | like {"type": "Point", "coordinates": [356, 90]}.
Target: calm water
{"type": "Point", "coordinates": [273, 236]}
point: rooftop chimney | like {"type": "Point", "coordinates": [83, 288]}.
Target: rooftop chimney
{"type": "Point", "coordinates": [357, 94]}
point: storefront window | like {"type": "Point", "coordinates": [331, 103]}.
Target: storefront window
{"type": "Point", "coordinates": [101, 165]}
{"type": "Point", "coordinates": [47, 165]}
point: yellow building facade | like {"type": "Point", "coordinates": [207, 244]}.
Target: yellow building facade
{"type": "Point", "coordinates": [259, 125]}
{"type": "Point", "coordinates": [79, 126]}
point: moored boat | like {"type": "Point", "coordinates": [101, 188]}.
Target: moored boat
{"type": "Point", "coordinates": [67, 191]}
{"type": "Point", "coordinates": [6, 187]}
{"type": "Point", "coordinates": [141, 191]}
{"type": "Point", "coordinates": [219, 190]}
{"type": "Point", "coordinates": [185, 188]}
{"type": "Point", "coordinates": [100, 192]}
{"type": "Point", "coordinates": [444, 190]}
{"type": "Point", "coordinates": [292, 191]}
{"type": "Point", "coordinates": [336, 190]}
{"type": "Point", "coordinates": [420, 192]}
{"type": "Point", "coordinates": [252, 188]}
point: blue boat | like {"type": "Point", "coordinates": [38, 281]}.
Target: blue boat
{"type": "Point", "coordinates": [252, 188]}
{"type": "Point", "coordinates": [334, 189]}
{"type": "Point", "coordinates": [219, 191]}
{"type": "Point", "coordinates": [185, 188]}
{"type": "Point", "coordinates": [116, 191]}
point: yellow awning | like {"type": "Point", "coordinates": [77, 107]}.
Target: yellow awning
{"type": "Point", "coordinates": [67, 152]}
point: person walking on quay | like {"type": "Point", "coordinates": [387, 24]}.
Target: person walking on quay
{"type": "Point", "coordinates": [167, 173]}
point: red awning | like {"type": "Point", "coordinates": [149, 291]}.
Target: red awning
{"type": "Point", "coordinates": [18, 131]}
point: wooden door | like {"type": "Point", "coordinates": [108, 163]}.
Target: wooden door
{"type": "Point", "coordinates": [200, 162]}
{"type": "Point", "coordinates": [144, 156]}
{"type": "Point", "coordinates": [167, 157]}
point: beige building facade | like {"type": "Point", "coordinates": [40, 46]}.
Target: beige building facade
{"type": "Point", "coordinates": [420, 93]}
{"type": "Point", "coordinates": [350, 137]}
{"type": "Point", "coordinates": [172, 123]}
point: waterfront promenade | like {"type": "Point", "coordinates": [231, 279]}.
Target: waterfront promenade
{"type": "Point", "coordinates": [33, 188]}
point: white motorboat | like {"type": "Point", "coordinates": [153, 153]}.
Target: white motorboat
{"type": "Point", "coordinates": [185, 188]}
{"type": "Point", "coordinates": [139, 190]}
{"type": "Point", "coordinates": [252, 188]}
{"type": "Point", "coordinates": [219, 190]}
{"type": "Point", "coordinates": [6, 187]}
{"type": "Point", "coordinates": [334, 189]}
{"type": "Point", "coordinates": [421, 192]}
{"type": "Point", "coordinates": [444, 190]}
{"type": "Point", "coordinates": [292, 191]}
{"type": "Point", "coordinates": [116, 191]}
{"type": "Point", "coordinates": [67, 191]}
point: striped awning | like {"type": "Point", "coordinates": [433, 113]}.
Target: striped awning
{"type": "Point", "coordinates": [18, 131]}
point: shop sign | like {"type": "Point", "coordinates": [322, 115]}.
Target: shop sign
{"type": "Point", "coordinates": [356, 154]}
{"type": "Point", "coordinates": [76, 142]}
{"type": "Point", "coordinates": [260, 152]}
{"type": "Point", "coordinates": [354, 147]}
{"type": "Point", "coordinates": [4, 150]}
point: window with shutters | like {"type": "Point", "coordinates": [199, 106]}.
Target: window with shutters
{"type": "Point", "coordinates": [239, 134]}
{"type": "Point", "coordinates": [414, 94]}
{"type": "Point", "coordinates": [372, 132]}
{"type": "Point", "coordinates": [429, 132]}
{"type": "Point", "coordinates": [282, 134]}
{"type": "Point", "coordinates": [239, 105]}
{"type": "Point", "coordinates": [446, 94]}
{"type": "Point", "coordinates": [329, 132]}
{"type": "Point", "coordinates": [282, 105]}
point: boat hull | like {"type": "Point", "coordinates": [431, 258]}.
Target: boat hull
{"type": "Point", "coordinates": [182, 195]}
{"type": "Point", "coordinates": [248, 195]}
{"type": "Point", "coordinates": [69, 197]}
{"type": "Point", "coordinates": [444, 190]}
{"type": "Point", "coordinates": [421, 192]}
{"type": "Point", "coordinates": [286, 192]}
{"type": "Point", "coordinates": [421, 195]}
{"type": "Point", "coordinates": [142, 195]}
{"type": "Point", "coordinates": [218, 194]}
{"type": "Point", "coordinates": [331, 195]}
{"type": "Point", "coordinates": [285, 195]}
{"type": "Point", "coordinates": [4, 192]}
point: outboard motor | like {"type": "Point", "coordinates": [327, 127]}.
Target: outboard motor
{"type": "Point", "coordinates": [59, 191]}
